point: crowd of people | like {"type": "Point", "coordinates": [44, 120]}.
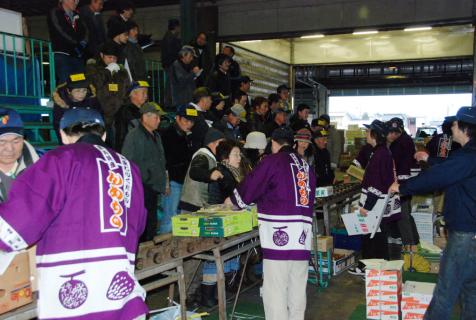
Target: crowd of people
{"type": "Point", "coordinates": [93, 198]}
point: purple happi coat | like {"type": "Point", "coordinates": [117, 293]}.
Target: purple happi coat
{"type": "Point", "coordinates": [379, 176]}
{"type": "Point", "coordinates": [403, 150]}
{"type": "Point", "coordinates": [84, 205]}
{"type": "Point", "coordinates": [283, 186]}
{"type": "Point", "coordinates": [363, 157]}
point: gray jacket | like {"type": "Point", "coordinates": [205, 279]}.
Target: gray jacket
{"type": "Point", "coordinates": [148, 156]}
{"type": "Point", "coordinates": [334, 145]}
{"type": "Point", "coordinates": [183, 83]}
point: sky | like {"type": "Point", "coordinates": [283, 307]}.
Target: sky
{"type": "Point", "coordinates": [427, 107]}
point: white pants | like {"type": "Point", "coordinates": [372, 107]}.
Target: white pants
{"type": "Point", "coordinates": [284, 289]}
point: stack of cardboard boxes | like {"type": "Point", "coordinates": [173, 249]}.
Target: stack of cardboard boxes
{"type": "Point", "coordinates": [424, 218]}
{"type": "Point", "coordinates": [215, 222]}
{"type": "Point", "coordinates": [416, 298]}
{"type": "Point", "coordinates": [15, 285]}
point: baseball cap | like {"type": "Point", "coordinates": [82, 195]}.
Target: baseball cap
{"type": "Point", "coordinates": [152, 107]}
{"type": "Point", "coordinates": [280, 110]}
{"type": "Point", "coordinates": [395, 124]}
{"type": "Point", "coordinates": [282, 132]}
{"type": "Point", "coordinates": [379, 126]}
{"type": "Point", "coordinates": [137, 84]}
{"type": "Point", "coordinates": [255, 140]}
{"type": "Point", "coordinates": [77, 81]}
{"type": "Point", "coordinates": [466, 114]}
{"type": "Point", "coordinates": [320, 133]}
{"type": "Point", "coordinates": [325, 117]}
{"type": "Point", "coordinates": [10, 122]}
{"type": "Point", "coordinates": [318, 122]}
{"type": "Point", "coordinates": [77, 115]}
{"type": "Point", "coordinates": [303, 135]}
{"type": "Point", "coordinates": [213, 135]}
{"type": "Point", "coordinates": [173, 23]}
{"type": "Point", "coordinates": [245, 79]}
{"type": "Point", "coordinates": [189, 112]}
{"type": "Point", "coordinates": [217, 96]}
{"type": "Point", "coordinates": [189, 49]}
{"type": "Point", "coordinates": [283, 87]}
{"type": "Point", "coordinates": [239, 111]}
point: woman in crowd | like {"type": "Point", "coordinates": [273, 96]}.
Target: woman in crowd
{"type": "Point", "coordinates": [254, 147]}
{"type": "Point", "coordinates": [379, 176]}
{"type": "Point", "coordinates": [303, 146]}
{"type": "Point", "coordinates": [76, 92]}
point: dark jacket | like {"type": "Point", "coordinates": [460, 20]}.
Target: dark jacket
{"type": "Point", "coordinates": [363, 157]}
{"type": "Point", "coordinates": [127, 118]}
{"type": "Point", "coordinates": [63, 102]}
{"type": "Point", "coordinates": [295, 123]}
{"type": "Point", "coordinates": [270, 127]}
{"type": "Point", "coordinates": [121, 59]}
{"type": "Point", "coordinates": [101, 78]}
{"type": "Point", "coordinates": [199, 131]}
{"type": "Point", "coordinates": [170, 49]}
{"type": "Point", "coordinates": [63, 36]}
{"type": "Point", "coordinates": [230, 133]}
{"type": "Point", "coordinates": [178, 152]}
{"type": "Point", "coordinates": [220, 82]}
{"type": "Point", "coordinates": [135, 58]}
{"type": "Point", "coordinates": [182, 82]}
{"type": "Point", "coordinates": [254, 122]}
{"type": "Point", "coordinates": [213, 115]}
{"type": "Point", "coordinates": [325, 176]}
{"type": "Point", "coordinates": [95, 26]}
{"type": "Point", "coordinates": [204, 61]}
{"type": "Point", "coordinates": [115, 18]}
{"type": "Point", "coordinates": [457, 176]}
{"type": "Point", "coordinates": [440, 148]}
{"type": "Point", "coordinates": [222, 188]}
{"type": "Point", "coordinates": [403, 151]}
{"type": "Point", "coordinates": [235, 75]}
{"type": "Point", "coordinates": [148, 155]}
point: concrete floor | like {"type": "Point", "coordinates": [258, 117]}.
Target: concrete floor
{"type": "Point", "coordinates": [337, 302]}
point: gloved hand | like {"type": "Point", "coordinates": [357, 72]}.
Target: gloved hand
{"type": "Point", "coordinates": [113, 67]}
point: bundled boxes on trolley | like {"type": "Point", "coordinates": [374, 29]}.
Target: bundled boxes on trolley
{"type": "Point", "coordinates": [424, 218]}
{"type": "Point", "coordinates": [215, 221]}
{"type": "Point", "coordinates": [416, 298]}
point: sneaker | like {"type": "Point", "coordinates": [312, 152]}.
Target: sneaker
{"type": "Point", "coordinates": [356, 271]}
{"type": "Point", "coordinates": [397, 241]}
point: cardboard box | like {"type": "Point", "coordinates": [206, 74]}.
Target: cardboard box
{"type": "Point", "coordinates": [353, 127]}
{"type": "Point", "coordinates": [340, 265]}
{"type": "Point", "coordinates": [426, 236]}
{"type": "Point", "coordinates": [255, 219]}
{"type": "Point", "coordinates": [218, 219]}
{"type": "Point", "coordinates": [15, 284]}
{"type": "Point", "coordinates": [375, 303]}
{"type": "Point", "coordinates": [350, 179]}
{"type": "Point", "coordinates": [384, 275]}
{"type": "Point", "coordinates": [324, 244]}
{"type": "Point", "coordinates": [186, 220]}
{"type": "Point", "coordinates": [33, 271]}
{"type": "Point", "coordinates": [417, 293]}
{"type": "Point", "coordinates": [356, 172]}
{"type": "Point", "coordinates": [424, 226]}
{"type": "Point", "coordinates": [412, 315]}
{"type": "Point", "coordinates": [324, 192]}
{"type": "Point", "coordinates": [212, 231]}
{"type": "Point", "coordinates": [383, 282]}
{"type": "Point", "coordinates": [382, 315]}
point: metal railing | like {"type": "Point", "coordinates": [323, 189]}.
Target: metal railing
{"type": "Point", "coordinates": [156, 80]}
{"type": "Point", "coordinates": [28, 67]}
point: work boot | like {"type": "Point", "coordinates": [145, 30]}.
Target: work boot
{"type": "Point", "coordinates": [208, 295]}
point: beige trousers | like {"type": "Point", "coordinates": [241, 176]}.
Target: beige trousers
{"type": "Point", "coordinates": [284, 289]}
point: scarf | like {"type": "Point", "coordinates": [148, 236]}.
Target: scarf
{"type": "Point", "coordinates": [235, 171]}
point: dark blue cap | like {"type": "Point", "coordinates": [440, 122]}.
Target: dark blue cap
{"type": "Point", "coordinates": [283, 132]}
{"type": "Point", "coordinates": [466, 114]}
{"type": "Point", "coordinates": [395, 124]}
{"type": "Point", "coordinates": [137, 84]}
{"type": "Point", "coordinates": [283, 87]}
{"type": "Point", "coordinates": [378, 126]}
{"type": "Point", "coordinates": [10, 122]}
{"type": "Point", "coordinates": [245, 79]}
{"type": "Point", "coordinates": [77, 115]}
{"type": "Point", "coordinates": [189, 112]}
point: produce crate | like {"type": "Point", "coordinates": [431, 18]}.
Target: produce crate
{"type": "Point", "coordinates": [343, 241]}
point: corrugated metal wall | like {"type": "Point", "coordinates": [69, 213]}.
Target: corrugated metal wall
{"type": "Point", "coordinates": [267, 74]}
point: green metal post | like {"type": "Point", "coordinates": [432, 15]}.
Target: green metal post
{"type": "Point", "coordinates": [33, 66]}
{"type": "Point", "coordinates": [24, 67]}
{"type": "Point", "coordinates": [5, 62]}
{"type": "Point", "coordinates": [187, 21]}
{"type": "Point", "coordinates": [15, 65]}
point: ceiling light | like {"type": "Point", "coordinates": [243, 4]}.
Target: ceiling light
{"type": "Point", "coordinates": [417, 29]}
{"type": "Point", "coordinates": [366, 32]}
{"type": "Point", "coordinates": [392, 67]}
{"type": "Point", "coordinates": [314, 36]}
{"type": "Point", "coordinates": [46, 63]}
{"type": "Point", "coordinates": [249, 41]}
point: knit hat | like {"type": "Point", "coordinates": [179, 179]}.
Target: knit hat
{"type": "Point", "coordinates": [303, 135]}
{"type": "Point", "coordinates": [110, 49]}
{"type": "Point", "coordinates": [10, 122]}
{"type": "Point", "coordinates": [213, 135]}
{"type": "Point", "coordinates": [116, 29]}
{"type": "Point", "coordinates": [255, 140]}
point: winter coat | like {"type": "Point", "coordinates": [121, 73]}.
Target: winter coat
{"type": "Point", "coordinates": [178, 152]}
{"type": "Point", "coordinates": [295, 123]}
{"type": "Point", "coordinates": [135, 58]}
{"type": "Point", "coordinates": [148, 155]}
{"type": "Point", "coordinates": [182, 82]}
{"type": "Point", "coordinates": [105, 84]}
{"type": "Point", "coordinates": [220, 82]}
{"type": "Point", "coordinates": [284, 187]}
{"type": "Point", "coordinates": [325, 175]}
{"type": "Point", "coordinates": [127, 118]}
{"type": "Point", "coordinates": [63, 102]}
{"type": "Point", "coordinates": [234, 71]}
{"type": "Point", "coordinates": [121, 59]}
{"type": "Point", "coordinates": [204, 61]}
{"type": "Point", "coordinates": [254, 122]}
{"type": "Point", "coordinates": [270, 127]}
{"type": "Point", "coordinates": [222, 188]}
{"type": "Point", "coordinates": [65, 36]}
{"type": "Point", "coordinates": [170, 49]}
{"type": "Point", "coordinates": [95, 26]}
{"type": "Point", "coordinates": [199, 130]}
{"type": "Point", "coordinates": [230, 133]}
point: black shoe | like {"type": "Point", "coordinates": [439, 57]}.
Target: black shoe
{"type": "Point", "coordinates": [208, 295]}
{"type": "Point", "coordinates": [356, 271]}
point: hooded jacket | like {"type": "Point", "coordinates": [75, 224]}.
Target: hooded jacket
{"type": "Point", "coordinates": [111, 89]}
{"type": "Point", "coordinates": [63, 102]}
